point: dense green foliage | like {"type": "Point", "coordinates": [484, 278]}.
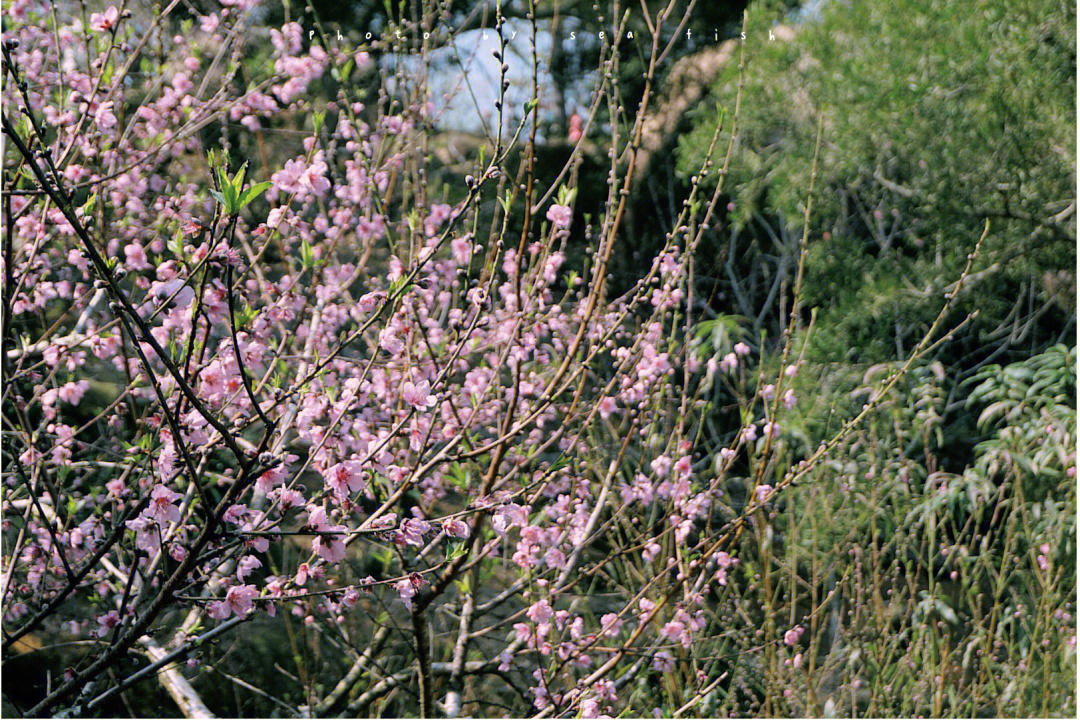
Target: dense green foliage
{"type": "Point", "coordinates": [942, 534]}
{"type": "Point", "coordinates": [918, 576]}
{"type": "Point", "coordinates": [936, 116]}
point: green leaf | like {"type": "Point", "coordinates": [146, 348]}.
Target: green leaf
{"type": "Point", "coordinates": [253, 192]}
{"type": "Point", "coordinates": [223, 179]}
{"type": "Point", "coordinates": [238, 179]}
{"type": "Point", "coordinates": [88, 206]}
{"type": "Point", "coordinates": [562, 462]}
{"type": "Point", "coordinates": [176, 244]}
{"type": "Point", "coordinates": [455, 550]}
{"type": "Point", "coordinates": [245, 315]}
{"type": "Point", "coordinates": [399, 287]}
{"type": "Point", "coordinates": [230, 189]}
{"type": "Point", "coordinates": [307, 255]}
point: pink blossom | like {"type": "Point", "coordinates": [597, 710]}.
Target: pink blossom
{"type": "Point", "coordinates": [560, 216]}
{"type": "Point", "coordinates": [107, 622]}
{"type": "Point", "coordinates": [287, 498]}
{"type": "Point", "coordinates": [234, 514]}
{"type": "Point", "coordinates": [461, 249]}
{"type": "Point", "coordinates": [574, 133]}
{"type": "Point", "coordinates": [314, 176]}
{"type": "Point", "coordinates": [247, 565]}
{"type": "Point", "coordinates": [369, 301]}
{"type": "Point", "coordinates": [408, 587]}
{"type": "Point", "coordinates": [540, 612]}
{"type": "Point", "coordinates": [683, 466]}
{"type": "Point", "coordinates": [390, 340]}
{"type": "Point", "coordinates": [663, 662]}
{"type": "Point", "coordinates": [413, 531]}
{"type": "Point", "coordinates": [301, 574]}
{"type": "Point", "coordinates": [330, 548]}
{"type": "Point", "coordinates": [51, 355]}
{"type": "Point", "coordinates": [611, 623]}
{"type": "Point", "coordinates": [104, 118]}
{"type": "Point", "coordinates": [344, 478]}
{"type": "Point", "coordinates": [317, 518]}
{"type": "Point", "coordinates": [508, 516]}
{"type": "Point", "coordinates": [273, 218]}
{"type": "Point", "coordinates": [103, 22]}
{"type": "Point", "coordinates": [673, 629]}
{"type": "Point", "coordinates": [661, 466]}
{"type": "Point", "coordinates": [182, 81]}
{"type": "Point", "coordinates": [238, 600]}
{"type": "Point", "coordinates": [161, 506]}
{"type": "Point", "coordinates": [287, 40]}
{"type": "Point", "coordinates": [72, 392]}
{"type": "Point", "coordinates": [438, 215]}
{"type": "Point", "coordinates": [555, 558]}
{"type": "Point", "coordinates": [455, 528]}
{"type": "Point", "coordinates": [117, 488]}
{"type": "Point", "coordinates": [146, 532]}
{"type": "Point", "coordinates": [418, 394]}
{"type": "Point", "coordinates": [523, 632]}
{"type": "Point", "coordinates": [552, 265]}
{"type": "Point", "coordinates": [136, 257]}
{"type": "Point", "coordinates": [711, 365]}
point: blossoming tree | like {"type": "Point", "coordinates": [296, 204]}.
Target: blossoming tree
{"type": "Point", "coordinates": [289, 378]}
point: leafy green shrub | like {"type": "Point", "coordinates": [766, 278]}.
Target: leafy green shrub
{"type": "Point", "coordinates": [936, 116]}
